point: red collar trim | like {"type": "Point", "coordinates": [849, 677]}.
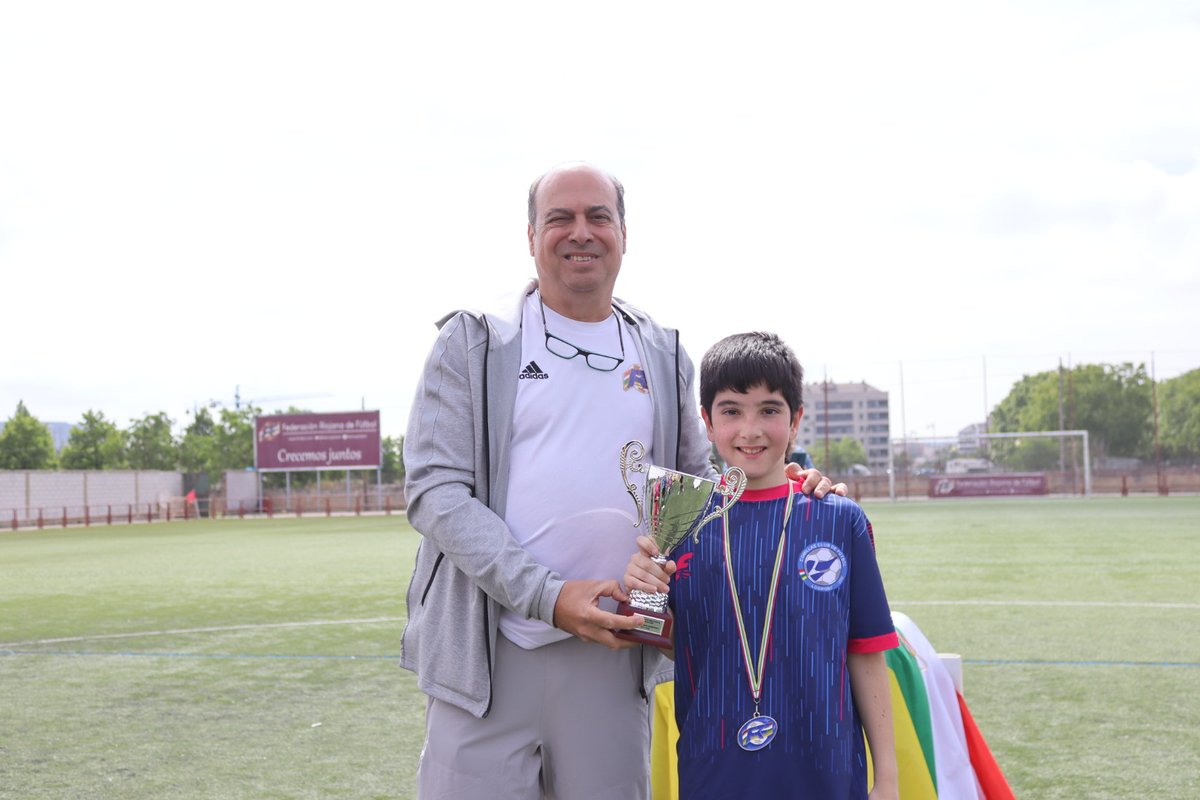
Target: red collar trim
{"type": "Point", "coordinates": [772, 493]}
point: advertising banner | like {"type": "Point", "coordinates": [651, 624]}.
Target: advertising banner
{"type": "Point", "coordinates": [1023, 483]}
{"type": "Point", "coordinates": [305, 442]}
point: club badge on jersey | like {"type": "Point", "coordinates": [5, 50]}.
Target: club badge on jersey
{"type": "Point", "coordinates": [635, 378]}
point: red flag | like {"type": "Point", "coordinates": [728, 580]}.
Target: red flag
{"type": "Point", "coordinates": [191, 497]}
{"type": "Point", "coordinates": [991, 778]}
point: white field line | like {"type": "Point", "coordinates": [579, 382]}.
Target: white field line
{"type": "Point", "coordinates": [222, 628]}
{"type": "Point", "coordinates": [1045, 603]}
{"type": "Point", "coordinates": [373, 620]}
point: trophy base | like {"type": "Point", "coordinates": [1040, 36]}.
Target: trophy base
{"type": "Point", "coordinates": [655, 631]}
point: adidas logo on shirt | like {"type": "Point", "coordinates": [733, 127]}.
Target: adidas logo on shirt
{"type": "Point", "coordinates": [532, 372]}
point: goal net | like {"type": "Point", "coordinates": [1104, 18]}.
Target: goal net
{"type": "Point", "coordinates": [980, 464]}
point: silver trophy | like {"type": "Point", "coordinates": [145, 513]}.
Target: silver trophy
{"type": "Point", "coordinates": [675, 504]}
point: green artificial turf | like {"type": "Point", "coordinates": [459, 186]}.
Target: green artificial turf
{"type": "Point", "coordinates": [258, 658]}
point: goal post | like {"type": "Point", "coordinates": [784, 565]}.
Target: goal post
{"type": "Point", "coordinates": [1061, 435]}
{"type": "Point", "coordinates": [1027, 449]}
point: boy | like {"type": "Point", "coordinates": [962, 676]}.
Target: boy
{"type": "Point", "coordinates": [780, 615]}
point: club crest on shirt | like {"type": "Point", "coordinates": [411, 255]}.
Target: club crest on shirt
{"type": "Point", "coordinates": [635, 378]}
{"type": "Point", "coordinates": [822, 566]}
{"type": "Point", "coordinates": [683, 566]}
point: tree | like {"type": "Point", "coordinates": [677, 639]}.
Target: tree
{"type": "Point", "coordinates": [1179, 416]}
{"type": "Point", "coordinates": [25, 443]}
{"type": "Point", "coordinates": [196, 446]}
{"type": "Point", "coordinates": [214, 446]}
{"type": "Point", "coordinates": [1032, 455]}
{"type": "Point", "coordinates": [151, 443]}
{"type": "Point", "coordinates": [393, 459]}
{"type": "Point", "coordinates": [95, 443]}
{"type": "Point", "coordinates": [233, 439]}
{"type": "Point", "coordinates": [1116, 401]}
{"type": "Point", "coordinates": [843, 453]}
{"type": "Point", "coordinates": [1111, 401]}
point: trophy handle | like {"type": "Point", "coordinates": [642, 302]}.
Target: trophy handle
{"type": "Point", "coordinates": [732, 484]}
{"type": "Point", "coordinates": [631, 458]}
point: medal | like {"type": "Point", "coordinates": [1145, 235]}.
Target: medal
{"type": "Point", "coordinates": [760, 729]}
{"type": "Point", "coordinates": [757, 733]}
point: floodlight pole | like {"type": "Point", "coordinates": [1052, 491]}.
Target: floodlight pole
{"type": "Point", "coordinates": [891, 470]}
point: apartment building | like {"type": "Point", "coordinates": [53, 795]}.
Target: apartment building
{"type": "Point", "coordinates": [846, 410]}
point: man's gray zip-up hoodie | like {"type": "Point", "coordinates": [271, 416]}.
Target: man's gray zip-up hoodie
{"type": "Point", "coordinates": [456, 460]}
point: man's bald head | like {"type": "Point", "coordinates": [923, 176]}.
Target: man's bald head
{"type": "Point", "coordinates": [617, 186]}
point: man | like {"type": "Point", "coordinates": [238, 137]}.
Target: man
{"type": "Point", "coordinates": [512, 471]}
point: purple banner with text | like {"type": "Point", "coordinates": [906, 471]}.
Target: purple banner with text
{"type": "Point", "coordinates": [300, 442]}
{"type": "Point", "coordinates": [987, 485]}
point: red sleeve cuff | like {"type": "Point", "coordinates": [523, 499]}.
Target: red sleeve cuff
{"type": "Point", "coordinates": [873, 644]}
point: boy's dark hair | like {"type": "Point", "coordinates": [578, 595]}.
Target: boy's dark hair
{"type": "Point", "coordinates": [745, 360]}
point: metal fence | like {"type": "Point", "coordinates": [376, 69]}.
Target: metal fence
{"type": "Point", "coordinates": [41, 499]}
{"type": "Point", "coordinates": [381, 500]}
{"type": "Point", "coordinates": [36, 499]}
{"type": "Point", "coordinates": [1138, 481]}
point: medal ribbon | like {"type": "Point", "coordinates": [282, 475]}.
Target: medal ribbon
{"type": "Point", "coordinates": [754, 673]}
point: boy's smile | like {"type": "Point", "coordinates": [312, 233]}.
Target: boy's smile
{"type": "Point", "coordinates": [753, 431]}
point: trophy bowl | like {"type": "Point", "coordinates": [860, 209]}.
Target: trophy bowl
{"type": "Point", "coordinates": [674, 505]}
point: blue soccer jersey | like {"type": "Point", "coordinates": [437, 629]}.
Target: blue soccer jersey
{"type": "Point", "coordinates": [830, 602]}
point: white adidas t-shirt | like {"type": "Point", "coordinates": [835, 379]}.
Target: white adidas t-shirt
{"type": "Point", "coordinates": [567, 504]}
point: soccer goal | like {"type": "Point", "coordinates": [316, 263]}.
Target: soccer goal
{"type": "Point", "coordinates": [978, 464]}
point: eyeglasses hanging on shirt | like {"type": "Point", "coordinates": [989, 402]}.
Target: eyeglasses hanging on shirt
{"type": "Point", "coordinates": [564, 349]}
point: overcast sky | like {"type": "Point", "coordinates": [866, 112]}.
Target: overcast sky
{"type": "Point", "coordinates": [279, 198]}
